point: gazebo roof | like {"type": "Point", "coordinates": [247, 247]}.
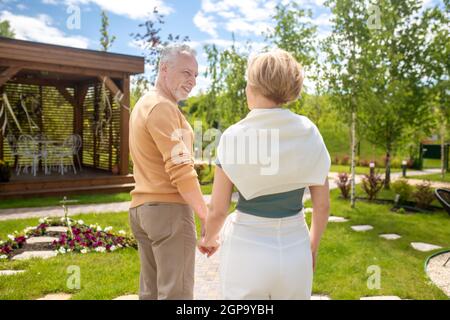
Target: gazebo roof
{"type": "Point", "coordinates": [28, 55]}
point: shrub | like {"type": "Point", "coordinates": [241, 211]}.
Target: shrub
{"type": "Point", "coordinates": [396, 163]}
{"type": "Point", "coordinates": [335, 160]}
{"type": "Point", "coordinates": [423, 195]}
{"type": "Point", "coordinates": [343, 182]}
{"type": "Point", "coordinates": [345, 160]}
{"type": "Point", "coordinates": [403, 188]}
{"type": "Point", "coordinates": [372, 184]}
{"type": "Point", "coordinates": [200, 168]}
{"type": "Point", "coordinates": [364, 163]}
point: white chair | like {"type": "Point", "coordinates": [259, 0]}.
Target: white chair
{"type": "Point", "coordinates": [69, 149]}
{"type": "Point", "coordinates": [28, 150]}
{"type": "Point", "coordinates": [77, 142]}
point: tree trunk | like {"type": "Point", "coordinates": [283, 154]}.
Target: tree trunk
{"type": "Point", "coordinates": [387, 177]}
{"type": "Point", "coordinates": [443, 150]}
{"type": "Point", "coordinates": [353, 146]}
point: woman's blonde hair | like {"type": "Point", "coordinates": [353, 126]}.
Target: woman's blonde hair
{"type": "Point", "coordinates": [276, 75]}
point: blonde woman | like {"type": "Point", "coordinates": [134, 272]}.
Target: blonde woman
{"type": "Point", "coordinates": [270, 156]}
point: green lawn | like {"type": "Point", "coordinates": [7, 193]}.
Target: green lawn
{"type": "Point", "coordinates": [433, 177]}
{"type": "Point", "coordinates": [359, 170]}
{"type": "Point", "coordinates": [82, 199]}
{"type": "Point", "coordinates": [341, 272]}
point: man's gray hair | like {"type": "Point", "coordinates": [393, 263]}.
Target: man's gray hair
{"type": "Point", "coordinates": [168, 53]}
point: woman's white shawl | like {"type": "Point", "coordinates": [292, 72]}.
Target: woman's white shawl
{"type": "Point", "coordinates": [272, 151]}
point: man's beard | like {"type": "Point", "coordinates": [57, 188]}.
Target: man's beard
{"type": "Point", "coordinates": [180, 94]}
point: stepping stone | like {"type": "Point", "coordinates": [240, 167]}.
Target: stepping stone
{"type": "Point", "coordinates": [390, 236]}
{"type": "Point", "coordinates": [424, 247]}
{"type": "Point", "coordinates": [337, 219]}
{"type": "Point", "coordinates": [35, 254]}
{"type": "Point", "coordinates": [381, 298]}
{"type": "Point", "coordinates": [34, 240]}
{"type": "Point", "coordinates": [56, 296]}
{"type": "Point", "coordinates": [364, 227]}
{"type": "Point", "coordinates": [320, 297]}
{"type": "Point", "coordinates": [10, 272]}
{"type": "Point", "coordinates": [57, 229]}
{"type": "Point", "coordinates": [128, 297]}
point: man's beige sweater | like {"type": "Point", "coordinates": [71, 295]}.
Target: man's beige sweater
{"type": "Point", "coordinates": [161, 142]}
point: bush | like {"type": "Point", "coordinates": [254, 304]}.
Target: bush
{"type": "Point", "coordinates": [343, 182]}
{"type": "Point", "coordinates": [202, 171]}
{"type": "Point", "coordinates": [364, 163]}
{"type": "Point", "coordinates": [372, 184]}
{"type": "Point", "coordinates": [396, 163]}
{"type": "Point", "coordinates": [335, 160]}
{"type": "Point", "coordinates": [345, 160]}
{"type": "Point", "coordinates": [403, 188]}
{"type": "Point", "coordinates": [5, 171]}
{"type": "Point", "coordinates": [424, 195]}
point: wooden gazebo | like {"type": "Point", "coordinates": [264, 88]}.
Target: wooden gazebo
{"type": "Point", "coordinates": [57, 91]}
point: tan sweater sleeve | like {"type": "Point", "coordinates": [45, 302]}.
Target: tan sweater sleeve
{"type": "Point", "coordinates": [163, 125]}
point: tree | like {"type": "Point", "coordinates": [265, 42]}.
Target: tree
{"type": "Point", "coordinates": [346, 65]}
{"type": "Point", "coordinates": [106, 40]}
{"type": "Point", "coordinates": [437, 57]}
{"type": "Point", "coordinates": [396, 100]}
{"type": "Point", "coordinates": [295, 33]}
{"type": "Point", "coordinates": [6, 30]}
{"type": "Point", "coordinates": [151, 42]}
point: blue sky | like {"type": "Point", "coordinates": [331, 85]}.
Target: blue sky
{"type": "Point", "coordinates": [204, 21]}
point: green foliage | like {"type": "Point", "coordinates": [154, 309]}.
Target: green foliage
{"type": "Point", "coordinates": [6, 30]}
{"type": "Point", "coordinates": [106, 40]}
{"type": "Point", "coordinates": [423, 194]}
{"type": "Point", "coordinates": [403, 188]}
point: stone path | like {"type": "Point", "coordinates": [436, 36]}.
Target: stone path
{"type": "Point", "coordinates": [35, 254]}
{"type": "Point", "coordinates": [381, 298]}
{"type": "Point", "coordinates": [10, 272]}
{"type": "Point", "coordinates": [424, 247]}
{"type": "Point", "coordinates": [361, 228]}
{"type": "Point", "coordinates": [56, 296]}
{"type": "Point", "coordinates": [390, 236]}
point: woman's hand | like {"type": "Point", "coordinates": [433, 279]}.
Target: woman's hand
{"type": "Point", "coordinates": [208, 245]}
{"type": "Point", "coordinates": [314, 258]}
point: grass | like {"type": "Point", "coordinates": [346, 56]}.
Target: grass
{"type": "Point", "coordinates": [82, 199]}
{"type": "Point", "coordinates": [433, 177]}
{"type": "Point", "coordinates": [54, 201]}
{"type": "Point", "coordinates": [344, 257]}
{"type": "Point", "coordinates": [359, 170]}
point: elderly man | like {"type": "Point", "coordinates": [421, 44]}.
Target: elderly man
{"type": "Point", "coordinates": [167, 189]}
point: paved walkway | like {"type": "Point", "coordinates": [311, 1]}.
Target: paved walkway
{"type": "Point", "coordinates": [25, 213]}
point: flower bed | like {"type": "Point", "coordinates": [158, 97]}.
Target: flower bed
{"type": "Point", "coordinates": [78, 238]}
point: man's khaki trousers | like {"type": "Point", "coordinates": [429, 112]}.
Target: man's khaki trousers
{"type": "Point", "coordinates": [166, 238]}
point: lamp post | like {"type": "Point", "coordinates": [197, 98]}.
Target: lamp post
{"type": "Point", "coordinates": [404, 168]}
{"type": "Point", "coordinates": [372, 168]}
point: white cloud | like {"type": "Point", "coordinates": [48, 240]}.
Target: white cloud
{"type": "Point", "coordinates": [244, 17]}
{"type": "Point", "coordinates": [133, 9]}
{"type": "Point", "coordinates": [40, 29]}
{"type": "Point", "coordinates": [205, 23]}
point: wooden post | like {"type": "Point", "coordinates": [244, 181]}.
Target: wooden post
{"type": "Point", "coordinates": [1, 135]}
{"type": "Point", "coordinates": [124, 126]}
{"type": "Point", "coordinates": [80, 95]}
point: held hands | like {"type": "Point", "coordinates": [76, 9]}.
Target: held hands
{"type": "Point", "coordinates": [207, 245]}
